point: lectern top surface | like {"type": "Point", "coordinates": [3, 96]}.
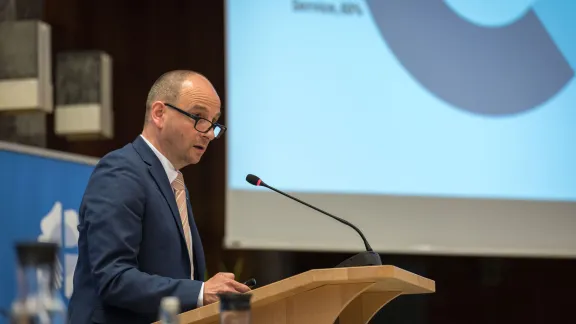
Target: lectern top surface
{"type": "Point", "coordinates": [385, 278]}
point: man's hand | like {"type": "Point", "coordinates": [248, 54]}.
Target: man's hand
{"type": "Point", "coordinates": [221, 282]}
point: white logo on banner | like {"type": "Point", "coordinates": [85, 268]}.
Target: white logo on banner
{"type": "Point", "coordinates": [62, 227]}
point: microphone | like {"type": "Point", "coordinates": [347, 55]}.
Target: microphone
{"type": "Point", "coordinates": [367, 258]}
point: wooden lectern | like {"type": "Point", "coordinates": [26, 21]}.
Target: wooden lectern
{"type": "Point", "coordinates": [353, 295]}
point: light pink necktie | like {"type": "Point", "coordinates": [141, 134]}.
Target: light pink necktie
{"type": "Point", "coordinates": [180, 193]}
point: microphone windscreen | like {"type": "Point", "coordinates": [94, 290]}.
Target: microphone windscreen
{"type": "Point", "coordinates": [253, 180]}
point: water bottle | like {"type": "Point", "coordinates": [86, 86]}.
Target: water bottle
{"type": "Point", "coordinates": [38, 301]}
{"type": "Point", "coordinates": [235, 308]}
{"type": "Point", "coordinates": [169, 310]}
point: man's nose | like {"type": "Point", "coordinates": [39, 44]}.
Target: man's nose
{"type": "Point", "coordinates": [210, 134]}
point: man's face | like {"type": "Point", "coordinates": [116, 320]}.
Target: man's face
{"type": "Point", "coordinates": [185, 141]}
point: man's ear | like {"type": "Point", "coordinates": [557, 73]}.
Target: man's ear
{"type": "Point", "coordinates": [157, 113]}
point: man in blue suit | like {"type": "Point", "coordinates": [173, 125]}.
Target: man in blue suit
{"type": "Point", "coordinates": [138, 241]}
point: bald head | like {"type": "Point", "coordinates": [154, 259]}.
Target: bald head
{"type": "Point", "coordinates": [182, 111]}
{"type": "Point", "coordinates": [167, 87]}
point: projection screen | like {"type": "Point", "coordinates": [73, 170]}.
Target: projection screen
{"type": "Point", "coordinates": [441, 127]}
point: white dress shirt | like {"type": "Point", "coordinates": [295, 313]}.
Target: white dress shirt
{"type": "Point", "coordinates": [172, 173]}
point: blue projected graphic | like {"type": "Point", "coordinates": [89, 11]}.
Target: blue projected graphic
{"type": "Point", "coordinates": [411, 97]}
{"type": "Point", "coordinates": [497, 71]}
{"type": "Point", "coordinates": [491, 13]}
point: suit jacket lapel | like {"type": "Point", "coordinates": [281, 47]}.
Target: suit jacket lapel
{"type": "Point", "coordinates": [199, 261]}
{"type": "Point", "coordinates": [159, 175]}
{"type": "Point", "coordinates": [162, 180]}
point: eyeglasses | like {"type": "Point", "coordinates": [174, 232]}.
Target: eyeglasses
{"type": "Point", "coordinates": [202, 125]}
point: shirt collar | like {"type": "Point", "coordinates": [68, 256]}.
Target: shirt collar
{"type": "Point", "coordinates": [171, 172]}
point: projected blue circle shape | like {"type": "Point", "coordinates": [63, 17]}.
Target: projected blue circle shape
{"type": "Point", "coordinates": [491, 13]}
{"type": "Point", "coordinates": [487, 70]}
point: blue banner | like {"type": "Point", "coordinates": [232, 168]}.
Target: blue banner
{"type": "Point", "coordinates": [40, 193]}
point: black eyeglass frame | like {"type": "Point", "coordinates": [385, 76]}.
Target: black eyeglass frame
{"type": "Point", "coordinates": [197, 119]}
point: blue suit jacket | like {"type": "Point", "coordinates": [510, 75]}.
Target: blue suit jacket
{"type": "Point", "coordinates": [132, 250]}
